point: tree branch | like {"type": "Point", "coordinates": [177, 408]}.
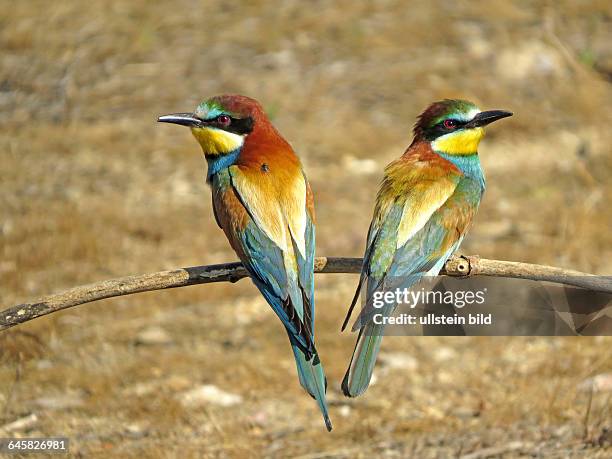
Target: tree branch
{"type": "Point", "coordinates": [457, 266]}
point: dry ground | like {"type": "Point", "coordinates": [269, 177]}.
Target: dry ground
{"type": "Point", "coordinates": [92, 188]}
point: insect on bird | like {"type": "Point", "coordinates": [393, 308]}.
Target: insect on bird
{"type": "Point", "coordinates": [264, 204]}
{"type": "Point", "coordinates": [423, 209]}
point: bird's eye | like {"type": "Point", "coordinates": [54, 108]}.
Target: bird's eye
{"type": "Point", "coordinates": [450, 124]}
{"type": "Point", "coordinates": [224, 120]}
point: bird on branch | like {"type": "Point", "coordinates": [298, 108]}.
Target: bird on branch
{"type": "Point", "coordinates": [424, 207]}
{"type": "Point", "coordinates": [264, 204]}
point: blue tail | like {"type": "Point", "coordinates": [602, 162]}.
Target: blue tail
{"type": "Point", "coordinates": [312, 379]}
{"type": "Point", "coordinates": [359, 373]}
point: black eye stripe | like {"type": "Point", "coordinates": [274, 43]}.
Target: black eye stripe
{"type": "Point", "coordinates": [457, 123]}
{"type": "Point", "coordinates": [239, 126]}
{"type": "Point", "coordinates": [439, 129]}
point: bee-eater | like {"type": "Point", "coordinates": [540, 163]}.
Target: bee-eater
{"type": "Point", "coordinates": [424, 206]}
{"type": "Point", "coordinates": [264, 204]}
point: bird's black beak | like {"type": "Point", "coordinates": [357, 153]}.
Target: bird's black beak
{"type": "Point", "coordinates": [484, 118]}
{"type": "Point", "coordinates": [184, 119]}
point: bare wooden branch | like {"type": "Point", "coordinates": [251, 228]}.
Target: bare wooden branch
{"type": "Point", "coordinates": [457, 266]}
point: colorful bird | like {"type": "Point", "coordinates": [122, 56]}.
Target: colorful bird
{"type": "Point", "coordinates": [264, 204]}
{"type": "Point", "coordinates": [424, 207]}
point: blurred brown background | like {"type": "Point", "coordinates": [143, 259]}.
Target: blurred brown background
{"type": "Point", "coordinates": [91, 187]}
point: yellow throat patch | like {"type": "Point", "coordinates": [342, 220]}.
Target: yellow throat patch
{"type": "Point", "coordinates": [215, 141]}
{"type": "Point", "coordinates": [460, 142]}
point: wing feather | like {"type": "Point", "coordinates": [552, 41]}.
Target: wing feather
{"type": "Point", "coordinates": [417, 221]}
{"type": "Point", "coordinates": [276, 245]}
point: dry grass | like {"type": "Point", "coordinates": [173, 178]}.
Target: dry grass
{"type": "Point", "coordinates": [92, 188]}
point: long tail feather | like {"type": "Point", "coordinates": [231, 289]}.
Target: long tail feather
{"type": "Point", "coordinates": [359, 373]}
{"type": "Point", "coordinates": [312, 379]}
{"type": "Point", "coordinates": [353, 303]}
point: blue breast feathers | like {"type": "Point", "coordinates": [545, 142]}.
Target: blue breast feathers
{"type": "Point", "coordinates": [218, 163]}
{"type": "Point", "coordinates": [469, 165]}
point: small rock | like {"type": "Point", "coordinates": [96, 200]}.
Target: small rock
{"type": "Point", "coordinates": [563, 431]}
{"type": "Point", "coordinates": [260, 418]}
{"type": "Point", "coordinates": [135, 430]}
{"type": "Point", "coordinates": [209, 394]}
{"type": "Point", "coordinates": [443, 354]}
{"type": "Point", "coordinates": [59, 402]}
{"type": "Point", "coordinates": [345, 411]}
{"type": "Point", "coordinates": [44, 364]}
{"type": "Point", "coordinates": [599, 383]}
{"type": "Point", "coordinates": [24, 423]}
{"type": "Point", "coordinates": [153, 336]}
{"type": "Point", "coordinates": [434, 412]}
{"type": "Point", "coordinates": [399, 360]}
{"type": "Point", "coordinates": [142, 389]}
